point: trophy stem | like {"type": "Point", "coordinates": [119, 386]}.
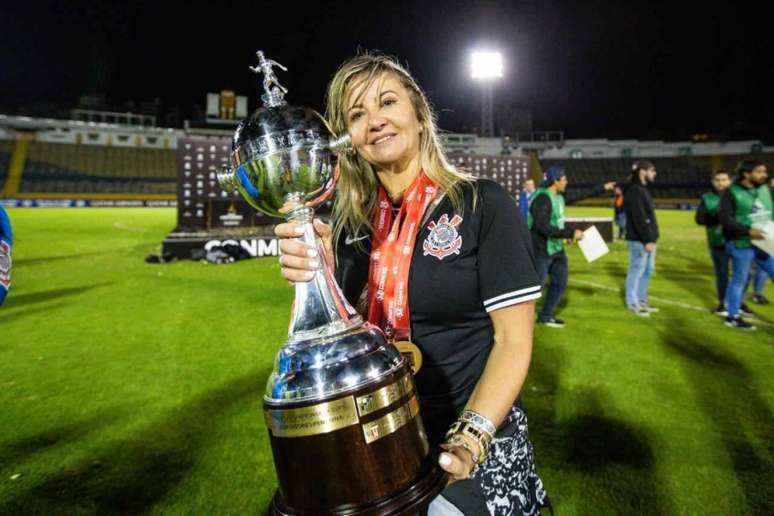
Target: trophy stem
{"type": "Point", "coordinates": [320, 308]}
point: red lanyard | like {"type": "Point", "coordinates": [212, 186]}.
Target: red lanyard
{"type": "Point", "coordinates": [391, 252]}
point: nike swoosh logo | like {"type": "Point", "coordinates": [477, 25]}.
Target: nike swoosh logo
{"type": "Point", "coordinates": [349, 240]}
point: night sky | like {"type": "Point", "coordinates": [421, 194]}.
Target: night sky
{"type": "Point", "coordinates": [590, 68]}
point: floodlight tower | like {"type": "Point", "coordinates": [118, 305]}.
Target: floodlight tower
{"type": "Point", "coordinates": [485, 68]}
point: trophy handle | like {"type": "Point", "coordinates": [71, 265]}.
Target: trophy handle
{"type": "Point", "coordinates": [227, 179]}
{"type": "Point", "coordinates": [342, 145]}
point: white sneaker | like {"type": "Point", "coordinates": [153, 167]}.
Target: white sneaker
{"type": "Point", "coordinates": [650, 309]}
{"type": "Point", "coordinates": [638, 311]}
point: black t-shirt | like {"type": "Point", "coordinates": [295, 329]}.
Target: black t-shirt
{"type": "Point", "coordinates": [451, 293]}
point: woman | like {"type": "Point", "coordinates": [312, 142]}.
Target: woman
{"type": "Point", "coordinates": [460, 248]}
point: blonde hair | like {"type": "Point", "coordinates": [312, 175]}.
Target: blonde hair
{"type": "Point", "coordinates": [358, 184]}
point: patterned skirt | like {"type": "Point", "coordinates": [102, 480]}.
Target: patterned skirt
{"type": "Point", "coordinates": [507, 483]}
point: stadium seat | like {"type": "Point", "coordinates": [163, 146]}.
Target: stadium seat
{"type": "Point", "coordinates": [6, 148]}
{"type": "Point", "coordinates": [73, 168]}
{"type": "Point", "coordinates": [684, 177]}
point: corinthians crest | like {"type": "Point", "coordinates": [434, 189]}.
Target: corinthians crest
{"type": "Point", "coordinates": [443, 239]}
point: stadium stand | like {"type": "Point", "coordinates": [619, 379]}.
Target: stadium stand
{"type": "Point", "coordinates": [55, 159]}
{"type": "Point", "coordinates": [83, 169]}
{"type": "Point", "coordinates": [6, 148]}
{"type": "Point", "coordinates": [683, 177]}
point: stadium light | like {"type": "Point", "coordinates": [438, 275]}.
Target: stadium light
{"type": "Point", "coordinates": [485, 67]}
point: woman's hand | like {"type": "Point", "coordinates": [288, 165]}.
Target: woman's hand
{"type": "Point", "coordinates": [299, 261]}
{"type": "Point", "coordinates": [457, 461]}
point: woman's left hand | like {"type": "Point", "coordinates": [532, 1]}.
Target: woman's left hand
{"type": "Point", "coordinates": [457, 461]}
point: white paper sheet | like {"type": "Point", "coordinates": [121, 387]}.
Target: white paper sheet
{"type": "Point", "coordinates": [765, 244]}
{"type": "Point", "coordinates": [593, 246]}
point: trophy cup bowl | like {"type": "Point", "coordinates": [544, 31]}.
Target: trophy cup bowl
{"type": "Point", "coordinates": [340, 405]}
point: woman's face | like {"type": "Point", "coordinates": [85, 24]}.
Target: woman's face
{"type": "Point", "coordinates": [382, 122]}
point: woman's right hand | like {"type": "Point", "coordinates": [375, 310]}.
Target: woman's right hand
{"type": "Point", "coordinates": [298, 261]}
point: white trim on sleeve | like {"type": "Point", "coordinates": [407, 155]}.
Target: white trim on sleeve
{"type": "Point", "coordinates": [514, 300]}
{"type": "Point", "coordinates": [515, 293]}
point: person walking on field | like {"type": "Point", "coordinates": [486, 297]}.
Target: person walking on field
{"type": "Point", "coordinates": [546, 223]}
{"type": "Point", "coordinates": [743, 207]}
{"type": "Point", "coordinates": [707, 215]}
{"type": "Point", "coordinates": [641, 235]}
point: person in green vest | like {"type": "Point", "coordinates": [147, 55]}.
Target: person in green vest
{"type": "Point", "coordinates": [707, 215]}
{"type": "Point", "coordinates": [546, 223]}
{"type": "Point", "coordinates": [744, 208]}
{"type": "Point", "coordinates": [760, 276]}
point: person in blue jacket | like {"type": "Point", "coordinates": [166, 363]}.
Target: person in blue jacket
{"type": "Point", "coordinates": [6, 241]}
{"type": "Point", "coordinates": [525, 195]}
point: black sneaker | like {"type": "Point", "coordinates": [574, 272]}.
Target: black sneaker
{"type": "Point", "coordinates": [720, 311]}
{"type": "Point", "coordinates": [739, 323]}
{"type": "Point", "coordinates": [553, 322]}
{"type": "Point", "coordinates": [745, 311]}
{"type": "Point", "coordinates": [759, 299]}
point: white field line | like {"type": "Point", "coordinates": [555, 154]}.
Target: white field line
{"type": "Point", "coordinates": [121, 225]}
{"type": "Point", "coordinates": [659, 299]}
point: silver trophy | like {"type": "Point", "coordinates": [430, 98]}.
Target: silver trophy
{"type": "Point", "coordinates": [340, 394]}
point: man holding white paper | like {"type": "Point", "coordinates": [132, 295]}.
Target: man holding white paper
{"type": "Point", "coordinates": [745, 208]}
{"type": "Point", "coordinates": [546, 223]}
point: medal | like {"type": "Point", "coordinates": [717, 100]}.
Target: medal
{"type": "Point", "coordinates": [388, 276]}
{"type": "Point", "coordinates": [411, 353]}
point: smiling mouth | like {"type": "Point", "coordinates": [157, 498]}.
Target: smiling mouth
{"type": "Point", "coordinates": [383, 139]}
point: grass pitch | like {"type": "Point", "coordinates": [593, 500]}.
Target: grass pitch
{"type": "Point", "coordinates": [129, 387]}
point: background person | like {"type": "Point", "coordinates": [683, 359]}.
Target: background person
{"type": "Point", "coordinates": [546, 223]}
{"type": "Point", "coordinates": [746, 203]}
{"type": "Point", "coordinates": [619, 214]}
{"type": "Point", "coordinates": [641, 236]}
{"type": "Point", "coordinates": [470, 300]}
{"type": "Point", "coordinates": [6, 241]}
{"type": "Point", "coordinates": [760, 277]}
{"type": "Point", "coordinates": [525, 195]}
{"type": "Point", "coordinates": [759, 280]}
{"type": "Point", "coordinates": [707, 214]}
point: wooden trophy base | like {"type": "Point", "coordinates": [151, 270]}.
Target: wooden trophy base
{"type": "Point", "coordinates": [363, 453]}
{"type": "Point", "coordinates": [408, 502]}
